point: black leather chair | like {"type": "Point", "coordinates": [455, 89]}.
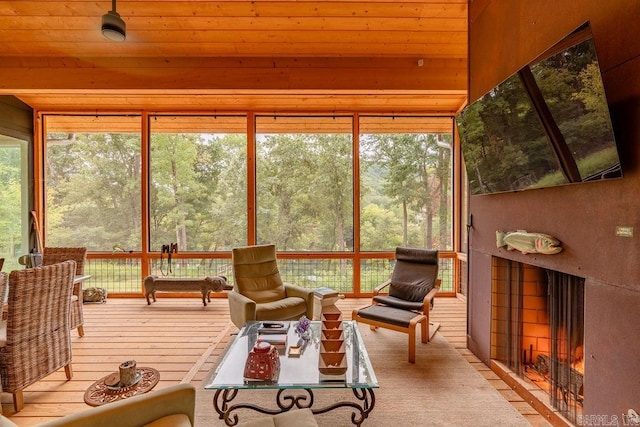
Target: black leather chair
{"type": "Point", "coordinates": [412, 287]}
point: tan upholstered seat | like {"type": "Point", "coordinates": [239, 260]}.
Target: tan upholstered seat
{"type": "Point", "coordinates": [258, 291]}
{"type": "Point", "coordinates": [173, 406]}
{"type": "Point", "coordinates": [294, 418]}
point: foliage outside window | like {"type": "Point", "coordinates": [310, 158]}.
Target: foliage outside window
{"type": "Point", "coordinates": [405, 183]}
{"type": "Point", "coordinates": [198, 182]}
{"type": "Point", "coordinates": [93, 171]}
{"type": "Point", "coordinates": [13, 201]}
{"type": "Point", "coordinates": [305, 183]}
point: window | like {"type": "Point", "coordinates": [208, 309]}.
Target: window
{"type": "Point", "coordinates": [92, 178]}
{"type": "Point", "coordinates": [14, 209]}
{"type": "Point", "coordinates": [198, 184]}
{"type": "Point", "coordinates": [405, 183]}
{"type": "Point", "coordinates": [304, 183]}
{"type": "Point", "coordinates": [213, 185]}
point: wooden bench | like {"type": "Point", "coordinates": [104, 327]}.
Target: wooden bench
{"type": "Point", "coordinates": [206, 285]}
{"type": "Point", "coordinates": [395, 319]}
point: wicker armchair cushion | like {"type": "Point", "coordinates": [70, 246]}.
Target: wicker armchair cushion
{"type": "Point", "coordinates": [4, 286]}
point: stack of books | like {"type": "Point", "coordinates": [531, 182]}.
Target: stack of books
{"type": "Point", "coordinates": [275, 333]}
{"type": "Point", "coordinates": [273, 328]}
{"type": "Point", "coordinates": [279, 341]}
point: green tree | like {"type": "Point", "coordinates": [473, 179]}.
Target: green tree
{"type": "Point", "coordinates": [305, 191]}
{"type": "Point", "coordinates": [10, 203]}
{"type": "Point", "coordinates": [93, 191]}
{"type": "Point", "coordinates": [173, 187]}
{"type": "Point", "coordinates": [413, 165]}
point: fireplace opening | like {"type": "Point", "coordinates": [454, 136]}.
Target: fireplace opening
{"type": "Point", "coordinates": [538, 331]}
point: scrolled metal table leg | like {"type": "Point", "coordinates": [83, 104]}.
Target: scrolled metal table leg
{"type": "Point", "coordinates": [365, 395]}
{"type": "Point", "coordinates": [221, 400]}
{"type": "Point", "coordinates": [286, 402]}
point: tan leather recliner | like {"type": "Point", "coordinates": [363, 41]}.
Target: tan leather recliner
{"type": "Point", "coordinates": [258, 291]}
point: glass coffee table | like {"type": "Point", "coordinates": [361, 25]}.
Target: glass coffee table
{"type": "Point", "coordinates": [299, 376]}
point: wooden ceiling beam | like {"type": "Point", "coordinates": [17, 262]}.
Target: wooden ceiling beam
{"type": "Point", "coordinates": [226, 8]}
{"type": "Point", "coordinates": [208, 123]}
{"type": "Point", "coordinates": [18, 75]}
{"type": "Point", "coordinates": [420, 102]}
{"type": "Point", "coordinates": [281, 23]}
{"type": "Point", "coordinates": [343, 45]}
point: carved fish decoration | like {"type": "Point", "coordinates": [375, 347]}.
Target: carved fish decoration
{"type": "Point", "coordinates": [528, 243]}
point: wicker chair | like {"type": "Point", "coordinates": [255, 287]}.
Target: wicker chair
{"type": "Point", "coordinates": [79, 255]}
{"type": "Point", "coordinates": [38, 337]}
{"type": "Point", "coordinates": [4, 287]}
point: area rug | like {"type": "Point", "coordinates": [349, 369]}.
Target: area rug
{"type": "Point", "coordinates": [440, 389]}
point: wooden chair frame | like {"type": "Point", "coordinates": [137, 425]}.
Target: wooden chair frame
{"type": "Point", "coordinates": [421, 318]}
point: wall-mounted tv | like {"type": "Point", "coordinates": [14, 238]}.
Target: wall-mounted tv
{"type": "Point", "coordinates": [546, 125]}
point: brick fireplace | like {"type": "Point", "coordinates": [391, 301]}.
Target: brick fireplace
{"type": "Point", "coordinates": [537, 331]}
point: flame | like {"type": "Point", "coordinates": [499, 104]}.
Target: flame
{"type": "Point", "coordinates": [578, 365]}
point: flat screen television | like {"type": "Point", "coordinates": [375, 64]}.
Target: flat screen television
{"type": "Point", "coordinates": [546, 125]}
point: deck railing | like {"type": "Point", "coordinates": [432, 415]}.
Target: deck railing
{"type": "Point", "coordinates": [124, 274]}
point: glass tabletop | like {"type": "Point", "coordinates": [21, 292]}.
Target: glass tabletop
{"type": "Point", "coordinates": [296, 372]}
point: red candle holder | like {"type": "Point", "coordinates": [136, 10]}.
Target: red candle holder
{"type": "Point", "coordinates": [263, 363]}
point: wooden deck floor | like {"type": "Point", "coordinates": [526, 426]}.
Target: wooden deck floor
{"type": "Point", "coordinates": [182, 339]}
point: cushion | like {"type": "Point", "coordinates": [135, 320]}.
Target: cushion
{"type": "Point", "coordinates": [256, 273]}
{"type": "Point", "coordinates": [421, 256]}
{"type": "Point", "coordinates": [175, 420]}
{"type": "Point", "coordinates": [296, 418]}
{"type": "Point", "coordinates": [398, 303]}
{"type": "Point", "coordinates": [3, 333]}
{"type": "Point", "coordinates": [6, 422]}
{"type": "Point", "coordinates": [259, 422]}
{"type": "Point", "coordinates": [390, 315]}
{"type": "Point", "coordinates": [282, 309]}
{"type": "Point", "coordinates": [414, 274]}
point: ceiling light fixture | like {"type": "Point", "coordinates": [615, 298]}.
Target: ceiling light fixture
{"type": "Point", "coordinates": [113, 27]}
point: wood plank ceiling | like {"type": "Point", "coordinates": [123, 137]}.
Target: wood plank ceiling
{"type": "Point", "coordinates": [234, 55]}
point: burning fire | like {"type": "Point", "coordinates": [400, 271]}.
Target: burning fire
{"type": "Point", "coordinates": [578, 365]}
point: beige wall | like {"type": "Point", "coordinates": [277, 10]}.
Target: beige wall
{"type": "Point", "coordinates": [505, 35]}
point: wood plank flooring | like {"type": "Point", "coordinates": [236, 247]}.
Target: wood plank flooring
{"type": "Point", "coordinates": [182, 339]}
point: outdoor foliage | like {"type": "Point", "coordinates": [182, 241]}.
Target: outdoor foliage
{"type": "Point", "coordinates": [10, 205]}
{"type": "Point", "coordinates": [305, 192]}
{"type": "Point", "coordinates": [406, 191]}
{"type": "Point", "coordinates": [93, 191]}
{"type": "Point", "coordinates": [198, 191]}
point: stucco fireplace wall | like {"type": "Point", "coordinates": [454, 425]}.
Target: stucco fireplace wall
{"type": "Point", "coordinates": [504, 36]}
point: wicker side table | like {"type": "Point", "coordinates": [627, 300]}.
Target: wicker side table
{"type": "Point", "coordinates": [100, 393]}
